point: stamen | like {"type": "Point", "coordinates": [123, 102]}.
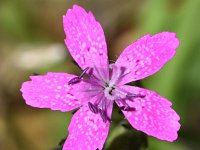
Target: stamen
{"type": "Point", "coordinates": [127, 108]}
{"type": "Point", "coordinates": [99, 74]}
{"type": "Point", "coordinates": [93, 79]}
{"type": "Point", "coordinates": [93, 108]}
{"type": "Point", "coordinates": [74, 80]}
{"type": "Point", "coordinates": [104, 116]}
{"type": "Point", "coordinates": [135, 96]}
{"type": "Point", "coordinates": [116, 73]}
{"type": "Point", "coordinates": [78, 79]}
{"type": "Point", "coordinates": [84, 72]}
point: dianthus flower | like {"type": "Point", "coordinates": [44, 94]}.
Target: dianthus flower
{"type": "Point", "coordinates": [146, 110]}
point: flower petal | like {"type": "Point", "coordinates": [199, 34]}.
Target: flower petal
{"type": "Point", "coordinates": [87, 130]}
{"type": "Point", "coordinates": [153, 114]}
{"type": "Point", "coordinates": [52, 91]}
{"type": "Point", "coordinates": [147, 55]}
{"type": "Point", "coordinates": [85, 38]}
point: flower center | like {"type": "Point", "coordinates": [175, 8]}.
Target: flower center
{"type": "Point", "coordinates": [109, 91]}
{"type": "Point", "coordinates": [106, 89]}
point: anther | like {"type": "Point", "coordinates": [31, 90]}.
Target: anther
{"type": "Point", "coordinates": [103, 115]}
{"type": "Point", "coordinates": [84, 72]}
{"type": "Point", "coordinates": [74, 80]}
{"type": "Point", "coordinates": [135, 96]}
{"type": "Point", "coordinates": [127, 108]}
{"type": "Point", "coordinates": [93, 108]}
{"type": "Point", "coordinates": [78, 79]}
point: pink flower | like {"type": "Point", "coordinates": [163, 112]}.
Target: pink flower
{"type": "Point", "coordinates": [146, 110]}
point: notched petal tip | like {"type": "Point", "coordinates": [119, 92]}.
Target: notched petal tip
{"type": "Point", "coordinates": [51, 91]}
{"type": "Point", "coordinates": [75, 6]}
{"type": "Point", "coordinates": [82, 31]}
{"type": "Point", "coordinates": [153, 115]}
{"type": "Point", "coordinates": [88, 127]}
{"type": "Point", "coordinates": [147, 55]}
{"type": "Point", "coordinates": [170, 38]}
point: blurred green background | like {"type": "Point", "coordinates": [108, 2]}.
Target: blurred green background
{"type": "Point", "coordinates": [31, 41]}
